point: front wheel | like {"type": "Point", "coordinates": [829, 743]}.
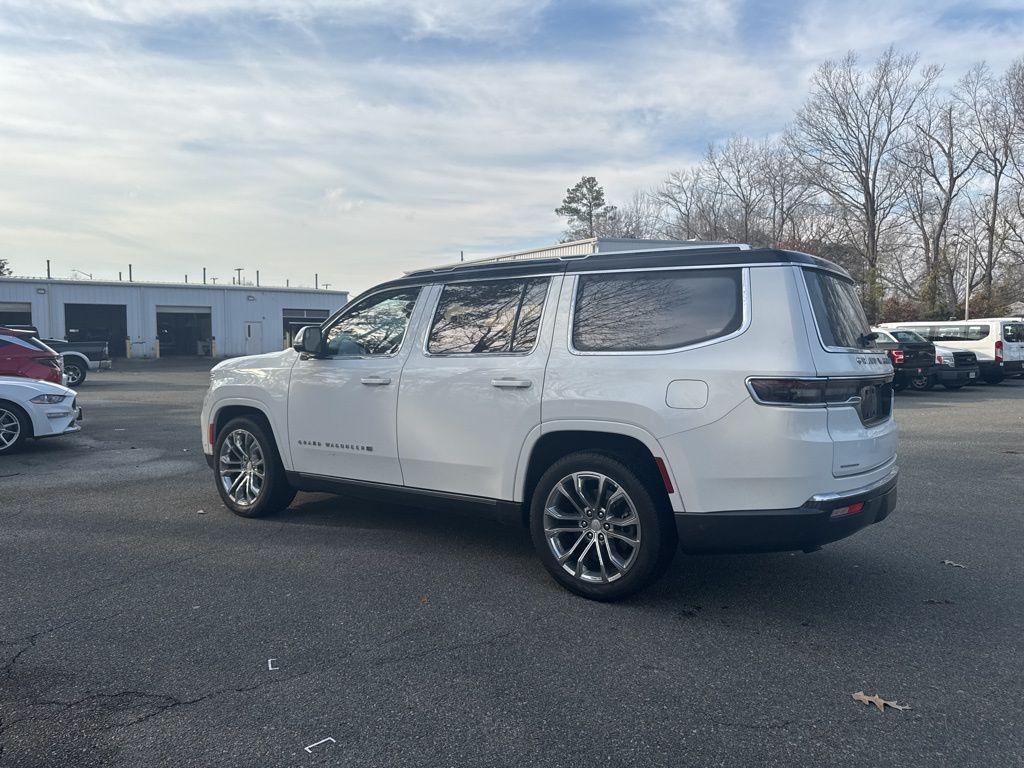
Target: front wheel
{"type": "Point", "coordinates": [250, 476]}
{"type": "Point", "coordinates": [14, 427]}
{"type": "Point", "coordinates": [600, 528]}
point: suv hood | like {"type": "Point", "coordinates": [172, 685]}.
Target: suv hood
{"type": "Point", "coordinates": [267, 360]}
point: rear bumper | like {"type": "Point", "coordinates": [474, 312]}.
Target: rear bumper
{"type": "Point", "coordinates": [820, 520]}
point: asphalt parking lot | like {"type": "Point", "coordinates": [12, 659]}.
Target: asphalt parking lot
{"type": "Point", "coordinates": [139, 618]}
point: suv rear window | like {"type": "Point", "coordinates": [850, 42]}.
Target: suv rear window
{"type": "Point", "coordinates": [651, 311]}
{"type": "Point", "coordinates": [837, 310]}
{"type": "Point", "coordinates": [25, 341]}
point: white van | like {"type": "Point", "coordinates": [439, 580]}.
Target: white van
{"type": "Point", "coordinates": [617, 403]}
{"type": "Point", "coordinates": [997, 342]}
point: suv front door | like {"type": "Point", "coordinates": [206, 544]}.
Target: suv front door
{"type": "Point", "coordinates": [342, 406]}
{"type": "Point", "coordinates": [471, 392]}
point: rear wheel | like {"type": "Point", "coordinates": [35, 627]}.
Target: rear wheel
{"type": "Point", "coordinates": [250, 476]}
{"type": "Point", "coordinates": [994, 378]}
{"type": "Point", "coordinates": [76, 371]}
{"type": "Point", "coordinates": [922, 383]}
{"type": "Point", "coordinates": [599, 527]}
{"type": "Point", "coordinates": [14, 427]}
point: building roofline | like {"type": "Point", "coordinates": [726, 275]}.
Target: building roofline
{"type": "Point", "coordinates": [154, 284]}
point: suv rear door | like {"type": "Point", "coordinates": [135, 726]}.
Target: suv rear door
{"type": "Point", "coordinates": [864, 433]}
{"type": "Point", "coordinates": [471, 391]}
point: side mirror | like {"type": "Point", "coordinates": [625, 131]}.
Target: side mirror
{"type": "Point", "coordinates": [310, 341]}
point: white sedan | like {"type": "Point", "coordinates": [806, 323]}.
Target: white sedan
{"type": "Point", "coordinates": [30, 408]}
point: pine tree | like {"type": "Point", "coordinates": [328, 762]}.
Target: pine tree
{"type": "Point", "coordinates": [585, 209]}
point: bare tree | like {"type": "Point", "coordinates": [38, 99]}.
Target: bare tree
{"type": "Point", "coordinates": [940, 163]}
{"type": "Point", "coordinates": [994, 131]}
{"type": "Point", "coordinates": [738, 167]}
{"type": "Point", "coordinates": [848, 137]}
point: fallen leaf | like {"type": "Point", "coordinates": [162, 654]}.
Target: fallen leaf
{"type": "Point", "coordinates": [878, 701]}
{"type": "Point", "coordinates": [955, 565]}
{"type": "Point", "coordinates": [423, 601]}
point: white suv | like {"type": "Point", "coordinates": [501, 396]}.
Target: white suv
{"type": "Point", "coordinates": [616, 403]}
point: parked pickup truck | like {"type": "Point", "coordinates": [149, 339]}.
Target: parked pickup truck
{"type": "Point", "coordinates": [80, 357]}
{"type": "Point", "coordinates": [955, 367]}
{"type": "Point", "coordinates": [912, 357]}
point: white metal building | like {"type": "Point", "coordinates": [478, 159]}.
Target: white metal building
{"type": "Point", "coordinates": [165, 319]}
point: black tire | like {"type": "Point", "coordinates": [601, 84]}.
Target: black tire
{"type": "Point", "coordinates": [14, 418]}
{"type": "Point", "coordinates": [922, 383]}
{"type": "Point", "coordinates": [76, 371]}
{"type": "Point", "coordinates": [994, 378]}
{"type": "Point", "coordinates": [275, 494]}
{"type": "Point", "coordinates": [657, 539]}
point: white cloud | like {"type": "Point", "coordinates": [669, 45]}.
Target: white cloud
{"type": "Point", "coordinates": [297, 159]}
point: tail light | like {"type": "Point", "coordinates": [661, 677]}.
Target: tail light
{"type": "Point", "coordinates": [999, 351]}
{"type": "Point", "coordinates": [896, 355]}
{"type": "Point", "coordinates": [805, 391]}
{"type": "Point", "coordinates": [938, 359]}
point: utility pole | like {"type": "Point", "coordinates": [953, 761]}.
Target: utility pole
{"type": "Point", "coordinates": [204, 275]}
{"type": "Point", "coordinates": [47, 269]}
{"type": "Point", "coordinates": [239, 271]}
{"type": "Point", "coordinates": [257, 278]}
{"type": "Point", "coordinates": [326, 286]}
{"type": "Point", "coordinates": [213, 280]}
{"type": "Point", "coordinates": [129, 273]}
{"type": "Point", "coordinates": [316, 281]}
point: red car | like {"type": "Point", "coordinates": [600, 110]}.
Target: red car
{"type": "Point", "coordinates": [21, 354]}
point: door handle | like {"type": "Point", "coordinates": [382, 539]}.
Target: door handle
{"type": "Point", "coordinates": [376, 381]}
{"type": "Point", "coordinates": [512, 383]}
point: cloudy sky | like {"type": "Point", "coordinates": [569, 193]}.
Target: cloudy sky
{"type": "Point", "coordinates": [360, 138]}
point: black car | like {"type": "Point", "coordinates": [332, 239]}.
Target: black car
{"type": "Point", "coordinates": [912, 357]}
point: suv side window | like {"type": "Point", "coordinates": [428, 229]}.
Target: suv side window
{"type": "Point", "coordinates": [375, 326]}
{"type": "Point", "coordinates": [488, 316]}
{"type": "Point", "coordinates": [652, 311]}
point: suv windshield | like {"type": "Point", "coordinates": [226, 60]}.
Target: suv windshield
{"type": "Point", "coordinates": [837, 309]}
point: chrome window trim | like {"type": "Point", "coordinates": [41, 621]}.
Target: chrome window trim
{"type": "Point", "coordinates": [437, 301]}
{"type": "Point", "coordinates": [342, 314]}
{"type": "Point", "coordinates": [744, 323]}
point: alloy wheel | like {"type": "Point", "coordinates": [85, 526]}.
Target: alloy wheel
{"type": "Point", "coordinates": [242, 467]}
{"type": "Point", "coordinates": [74, 374]}
{"type": "Point", "coordinates": [10, 428]}
{"type": "Point", "coordinates": [592, 527]}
